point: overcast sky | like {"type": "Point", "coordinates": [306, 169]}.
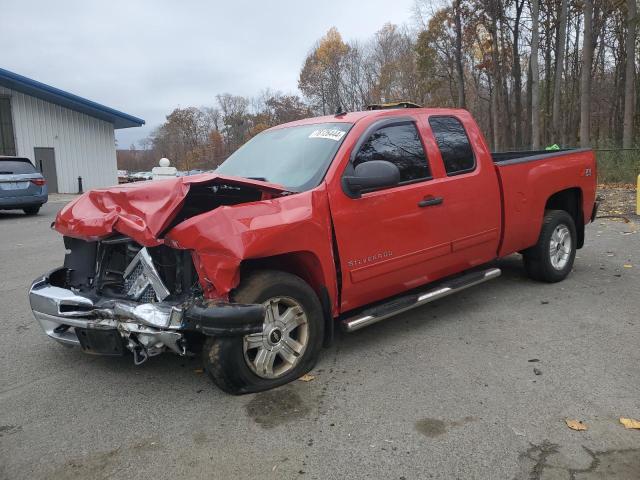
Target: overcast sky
{"type": "Point", "coordinates": [148, 57]}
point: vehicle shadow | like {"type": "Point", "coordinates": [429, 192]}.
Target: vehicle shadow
{"type": "Point", "coordinates": [8, 214]}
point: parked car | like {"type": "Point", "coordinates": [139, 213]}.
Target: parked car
{"type": "Point", "coordinates": [123, 176]}
{"type": "Point", "coordinates": [340, 220]}
{"type": "Point", "coordinates": [22, 187]}
{"type": "Point", "coordinates": [140, 176]}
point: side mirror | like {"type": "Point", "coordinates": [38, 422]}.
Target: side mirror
{"type": "Point", "coordinates": [370, 175]}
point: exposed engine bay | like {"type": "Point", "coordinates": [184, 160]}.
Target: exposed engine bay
{"type": "Point", "coordinates": [115, 294]}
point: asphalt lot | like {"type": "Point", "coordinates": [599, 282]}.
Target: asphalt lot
{"type": "Point", "coordinates": [445, 391]}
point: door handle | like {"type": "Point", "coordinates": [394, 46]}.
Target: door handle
{"type": "Point", "coordinates": [428, 202]}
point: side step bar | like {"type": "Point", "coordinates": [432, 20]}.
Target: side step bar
{"type": "Point", "coordinates": [402, 304]}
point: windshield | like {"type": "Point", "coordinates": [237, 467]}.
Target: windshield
{"type": "Point", "coordinates": [295, 157]}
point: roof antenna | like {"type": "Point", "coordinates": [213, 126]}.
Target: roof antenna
{"type": "Point", "coordinates": [340, 111]}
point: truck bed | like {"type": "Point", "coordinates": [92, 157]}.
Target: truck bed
{"type": "Point", "coordinates": [529, 180]}
{"type": "Point", "coordinates": [507, 158]}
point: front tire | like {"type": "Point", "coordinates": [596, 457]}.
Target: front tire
{"type": "Point", "coordinates": [551, 259]}
{"type": "Point", "coordinates": [287, 347]}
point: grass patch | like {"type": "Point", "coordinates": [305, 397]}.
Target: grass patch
{"type": "Point", "coordinates": [618, 166]}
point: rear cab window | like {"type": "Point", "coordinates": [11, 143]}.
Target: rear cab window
{"type": "Point", "coordinates": [399, 144]}
{"type": "Point", "coordinates": [453, 142]}
{"type": "Point", "coordinates": [16, 167]}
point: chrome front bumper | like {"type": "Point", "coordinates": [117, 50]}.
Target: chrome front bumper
{"type": "Point", "coordinates": [147, 328]}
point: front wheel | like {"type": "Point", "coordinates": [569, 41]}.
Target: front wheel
{"type": "Point", "coordinates": [551, 259]}
{"type": "Point", "coordinates": [286, 348]}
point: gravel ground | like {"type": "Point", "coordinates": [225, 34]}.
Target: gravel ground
{"type": "Point", "coordinates": [617, 200]}
{"type": "Point", "coordinates": [476, 386]}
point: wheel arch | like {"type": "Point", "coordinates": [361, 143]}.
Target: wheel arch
{"type": "Point", "coordinates": [570, 200]}
{"type": "Point", "coordinates": [308, 267]}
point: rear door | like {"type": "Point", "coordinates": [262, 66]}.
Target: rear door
{"type": "Point", "coordinates": [46, 163]}
{"type": "Point", "coordinates": [468, 183]}
{"type": "Point", "coordinates": [391, 239]}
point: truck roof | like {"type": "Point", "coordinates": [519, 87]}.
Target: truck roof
{"type": "Point", "coordinates": [354, 117]}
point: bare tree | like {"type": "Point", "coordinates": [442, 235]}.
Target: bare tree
{"type": "Point", "coordinates": [629, 77]}
{"type": "Point", "coordinates": [494, 10]}
{"type": "Point", "coordinates": [585, 77]}
{"type": "Point", "coordinates": [560, 59]}
{"type": "Point", "coordinates": [516, 72]}
{"type": "Point", "coordinates": [459, 70]}
{"type": "Point", "coordinates": [535, 75]}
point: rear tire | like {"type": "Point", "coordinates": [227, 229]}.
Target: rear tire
{"type": "Point", "coordinates": [551, 259]}
{"type": "Point", "coordinates": [31, 210]}
{"type": "Point", "coordinates": [259, 362]}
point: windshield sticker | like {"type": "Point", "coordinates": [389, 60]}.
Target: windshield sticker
{"type": "Point", "coordinates": [328, 133]}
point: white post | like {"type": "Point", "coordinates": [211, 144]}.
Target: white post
{"type": "Point", "coordinates": [164, 170]}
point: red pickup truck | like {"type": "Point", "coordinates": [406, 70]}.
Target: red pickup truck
{"type": "Point", "coordinates": [345, 219]}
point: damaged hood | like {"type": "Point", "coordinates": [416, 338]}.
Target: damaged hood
{"type": "Point", "coordinates": [142, 210]}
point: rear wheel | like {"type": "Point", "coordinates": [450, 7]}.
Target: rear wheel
{"type": "Point", "coordinates": [286, 348]}
{"type": "Point", "coordinates": [31, 210]}
{"type": "Point", "coordinates": [551, 259]}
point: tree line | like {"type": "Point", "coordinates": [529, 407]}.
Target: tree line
{"type": "Point", "coordinates": [203, 137]}
{"type": "Point", "coordinates": [532, 72]}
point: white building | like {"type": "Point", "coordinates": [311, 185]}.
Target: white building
{"type": "Point", "coordinates": [64, 136]}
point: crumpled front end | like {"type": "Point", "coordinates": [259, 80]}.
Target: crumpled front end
{"type": "Point", "coordinates": [150, 268]}
{"type": "Point", "coordinates": [115, 295]}
{"type": "Point", "coordinates": [145, 211]}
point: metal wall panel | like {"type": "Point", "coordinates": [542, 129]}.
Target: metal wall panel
{"type": "Point", "coordinates": [84, 146]}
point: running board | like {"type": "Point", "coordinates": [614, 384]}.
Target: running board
{"type": "Point", "coordinates": [402, 304]}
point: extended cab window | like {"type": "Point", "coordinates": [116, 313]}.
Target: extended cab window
{"type": "Point", "coordinates": [398, 144]}
{"type": "Point", "coordinates": [454, 144]}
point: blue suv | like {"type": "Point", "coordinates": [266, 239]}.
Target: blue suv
{"type": "Point", "coordinates": [21, 186]}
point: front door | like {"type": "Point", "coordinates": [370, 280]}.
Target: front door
{"type": "Point", "coordinates": [392, 239]}
{"type": "Point", "coordinates": [46, 162]}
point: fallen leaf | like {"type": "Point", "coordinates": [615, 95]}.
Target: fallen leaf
{"type": "Point", "coordinates": [630, 423]}
{"type": "Point", "coordinates": [575, 425]}
{"type": "Point", "coordinates": [199, 370]}
{"type": "Point", "coordinates": [307, 377]}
